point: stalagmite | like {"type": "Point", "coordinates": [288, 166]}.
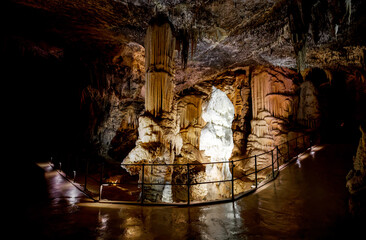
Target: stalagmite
{"type": "Point", "coordinates": [159, 139]}
{"type": "Point", "coordinates": [217, 140]}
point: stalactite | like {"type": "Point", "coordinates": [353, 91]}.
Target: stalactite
{"type": "Point", "coordinates": [348, 13]}
{"type": "Point", "coordinates": [329, 75]}
{"type": "Point", "coordinates": [270, 94]}
{"type": "Point", "coordinates": [278, 105]}
{"type": "Point", "coordinates": [190, 111]}
{"type": "Point", "coordinates": [259, 90]}
{"type": "Point", "coordinates": [185, 47]}
{"type": "Point", "coordinates": [160, 46]}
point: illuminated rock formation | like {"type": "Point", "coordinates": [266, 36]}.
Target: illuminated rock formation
{"type": "Point", "coordinates": [159, 139]}
{"type": "Point", "coordinates": [158, 143]}
{"type": "Point", "coordinates": [190, 111]}
{"type": "Point", "coordinates": [159, 63]}
{"type": "Point", "coordinates": [273, 103]}
{"type": "Point", "coordinates": [114, 103]}
{"type": "Point", "coordinates": [234, 85]}
{"type": "Point", "coordinates": [217, 141]}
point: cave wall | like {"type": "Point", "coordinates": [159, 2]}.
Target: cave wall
{"type": "Point", "coordinates": [112, 101]}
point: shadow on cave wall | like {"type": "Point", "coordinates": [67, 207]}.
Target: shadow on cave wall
{"type": "Point", "coordinates": [44, 101]}
{"type": "Point", "coordinates": [340, 106]}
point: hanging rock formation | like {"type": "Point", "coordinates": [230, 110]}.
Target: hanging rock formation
{"type": "Point", "coordinates": [190, 113]}
{"type": "Point", "coordinates": [159, 63]}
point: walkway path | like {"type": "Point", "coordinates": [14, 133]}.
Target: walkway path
{"type": "Point", "coordinates": [307, 201]}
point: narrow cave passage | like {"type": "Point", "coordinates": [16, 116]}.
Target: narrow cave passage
{"type": "Point", "coordinates": [340, 105]}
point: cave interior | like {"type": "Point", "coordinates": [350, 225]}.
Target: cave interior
{"type": "Point", "coordinates": [83, 86]}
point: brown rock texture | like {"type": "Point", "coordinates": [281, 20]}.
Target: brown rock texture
{"type": "Point", "coordinates": [356, 178]}
{"type": "Point", "coordinates": [274, 103]}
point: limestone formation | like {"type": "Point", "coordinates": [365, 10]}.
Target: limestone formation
{"type": "Point", "coordinates": [308, 113]}
{"type": "Point", "coordinates": [273, 102]}
{"type": "Point", "coordinates": [159, 139]}
{"type": "Point", "coordinates": [217, 141]}
{"type": "Point", "coordinates": [158, 143]}
{"type": "Point", "coordinates": [190, 114]}
{"type": "Point", "coordinates": [159, 64]}
{"type": "Point", "coordinates": [356, 178]}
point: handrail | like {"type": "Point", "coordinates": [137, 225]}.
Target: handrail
{"type": "Point", "coordinates": [277, 158]}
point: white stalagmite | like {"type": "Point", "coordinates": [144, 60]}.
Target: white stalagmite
{"type": "Point", "coordinates": [217, 138]}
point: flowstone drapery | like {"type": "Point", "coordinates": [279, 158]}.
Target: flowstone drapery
{"type": "Point", "coordinates": [274, 103]}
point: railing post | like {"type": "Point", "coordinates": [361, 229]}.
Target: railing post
{"type": "Point", "coordinates": [288, 150]}
{"type": "Point", "coordinates": [232, 180]}
{"type": "Point", "coordinates": [101, 181]}
{"type": "Point", "coordinates": [272, 164]}
{"type": "Point", "coordinates": [296, 144]}
{"type": "Point", "coordinates": [86, 174]}
{"type": "Point", "coordinates": [311, 140]}
{"type": "Point", "coordinates": [142, 183]}
{"type": "Point", "coordinates": [101, 174]}
{"type": "Point", "coordinates": [278, 161]}
{"type": "Point", "coordinates": [188, 187]}
{"type": "Point", "coordinates": [255, 171]}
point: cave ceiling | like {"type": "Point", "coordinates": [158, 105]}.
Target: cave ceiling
{"type": "Point", "coordinates": [225, 34]}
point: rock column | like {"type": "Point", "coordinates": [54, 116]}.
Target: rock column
{"type": "Point", "coordinates": [159, 139]}
{"type": "Point", "coordinates": [159, 63]}
{"type": "Point", "coordinates": [273, 103]}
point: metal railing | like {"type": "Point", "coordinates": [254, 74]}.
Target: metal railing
{"type": "Point", "coordinates": [148, 188]}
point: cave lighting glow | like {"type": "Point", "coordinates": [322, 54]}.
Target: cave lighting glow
{"type": "Point", "coordinates": [217, 136]}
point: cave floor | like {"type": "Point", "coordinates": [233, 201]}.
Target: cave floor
{"type": "Point", "coordinates": [308, 200]}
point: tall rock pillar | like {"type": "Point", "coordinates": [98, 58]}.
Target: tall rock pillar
{"type": "Point", "coordinates": [159, 63]}
{"type": "Point", "coordinates": [159, 139]}
{"type": "Point", "coordinates": [273, 103]}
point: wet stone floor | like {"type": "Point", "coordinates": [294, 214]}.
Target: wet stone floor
{"type": "Point", "coordinates": [308, 200]}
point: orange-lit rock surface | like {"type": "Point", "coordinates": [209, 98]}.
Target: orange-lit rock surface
{"type": "Point", "coordinates": [274, 105]}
